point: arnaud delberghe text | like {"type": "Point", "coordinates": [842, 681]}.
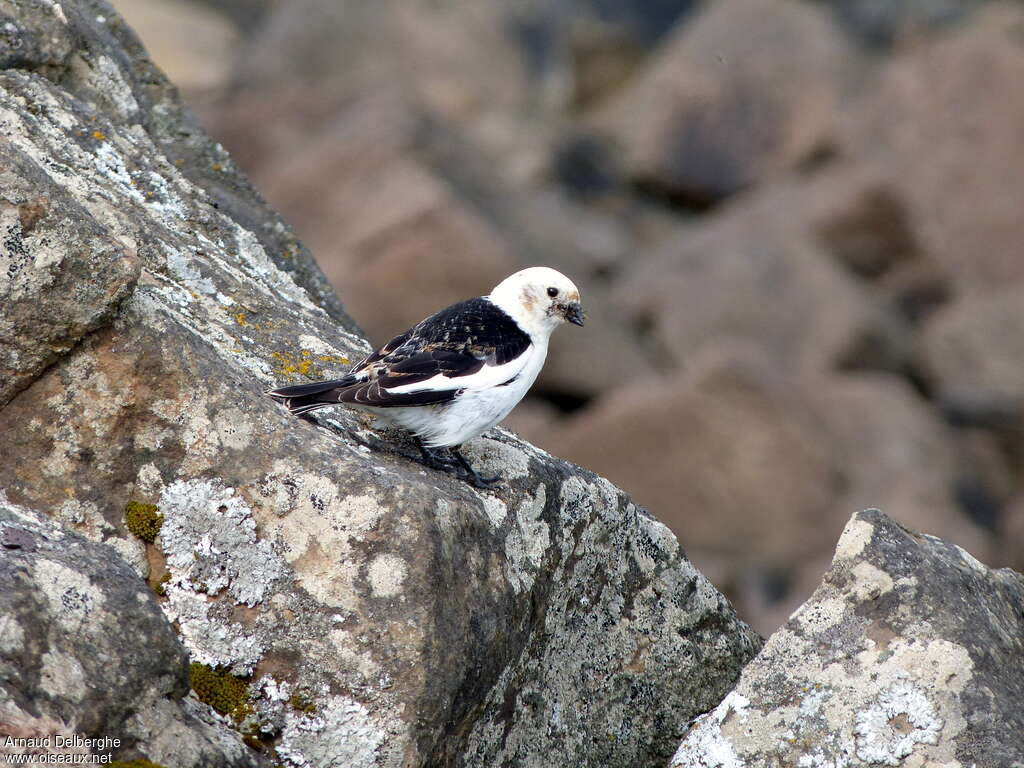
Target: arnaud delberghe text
{"type": "Point", "coordinates": [37, 750]}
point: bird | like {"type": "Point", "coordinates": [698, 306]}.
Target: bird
{"type": "Point", "coordinates": [456, 374]}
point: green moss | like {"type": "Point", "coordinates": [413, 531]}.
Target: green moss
{"type": "Point", "coordinates": [137, 763]}
{"type": "Point", "coordinates": [300, 703]}
{"type": "Point", "coordinates": [143, 520]}
{"type": "Point", "coordinates": [159, 587]}
{"type": "Point", "coordinates": [226, 693]}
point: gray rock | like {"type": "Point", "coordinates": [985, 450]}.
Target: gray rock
{"type": "Point", "coordinates": [909, 653]}
{"type": "Point", "coordinates": [86, 651]}
{"type": "Point", "coordinates": [380, 613]}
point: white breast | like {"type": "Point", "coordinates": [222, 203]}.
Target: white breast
{"type": "Point", "coordinates": [474, 411]}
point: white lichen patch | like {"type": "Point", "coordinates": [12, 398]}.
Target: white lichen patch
{"type": "Point", "coordinates": [233, 428]}
{"type": "Point", "coordinates": [817, 615]}
{"type": "Point", "coordinates": [72, 599]}
{"type": "Point", "coordinates": [386, 574]}
{"type": "Point", "coordinates": [12, 635]}
{"type": "Point", "coordinates": [527, 542]}
{"type": "Point", "coordinates": [870, 582]}
{"type": "Point", "coordinates": [317, 531]}
{"type": "Point", "coordinates": [494, 457]}
{"type": "Point", "coordinates": [704, 745]}
{"type": "Point", "coordinates": [62, 676]}
{"type": "Point", "coordinates": [853, 539]}
{"type": "Point", "coordinates": [494, 508]}
{"type": "Point", "coordinates": [898, 719]}
{"type": "Point", "coordinates": [344, 734]}
{"type": "Point", "coordinates": [209, 536]}
{"type": "Point", "coordinates": [210, 639]}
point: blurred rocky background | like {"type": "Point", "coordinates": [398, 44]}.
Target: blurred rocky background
{"type": "Point", "coordinates": [797, 226]}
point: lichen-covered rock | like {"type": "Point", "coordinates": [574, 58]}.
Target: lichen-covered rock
{"type": "Point", "coordinates": [348, 606]}
{"type": "Point", "coordinates": [909, 653]}
{"type": "Point", "coordinates": [86, 652]}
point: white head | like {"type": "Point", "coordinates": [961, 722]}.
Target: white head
{"type": "Point", "coordinates": [540, 299]}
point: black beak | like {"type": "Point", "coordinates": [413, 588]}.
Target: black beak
{"type": "Point", "coordinates": [574, 313]}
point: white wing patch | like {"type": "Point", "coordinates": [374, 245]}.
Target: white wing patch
{"type": "Point", "coordinates": [487, 377]}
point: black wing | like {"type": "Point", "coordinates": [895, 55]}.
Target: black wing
{"type": "Point", "coordinates": [455, 342]}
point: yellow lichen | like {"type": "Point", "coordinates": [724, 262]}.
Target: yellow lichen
{"type": "Point", "coordinates": [240, 319]}
{"type": "Point", "coordinates": [139, 762]}
{"type": "Point", "coordinates": [99, 135]}
{"type": "Point", "coordinates": [226, 693]}
{"type": "Point", "coordinates": [143, 520]}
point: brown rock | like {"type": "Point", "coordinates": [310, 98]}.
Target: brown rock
{"type": "Point", "coordinates": [720, 454]}
{"type": "Point", "coordinates": [392, 236]}
{"type": "Point", "coordinates": [973, 353]}
{"type": "Point", "coordinates": [944, 126]}
{"type": "Point", "coordinates": [738, 94]}
{"type": "Point", "coordinates": [895, 454]}
{"type": "Point", "coordinates": [753, 271]}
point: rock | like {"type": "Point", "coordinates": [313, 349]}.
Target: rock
{"type": "Point", "coordinates": [941, 126]}
{"type": "Point", "coordinates": [973, 354]}
{"type": "Point", "coordinates": [907, 654]}
{"type": "Point", "coordinates": [389, 232]}
{"type": "Point", "coordinates": [86, 652]}
{"type": "Point", "coordinates": [56, 255]}
{"type": "Point", "coordinates": [895, 452]}
{"type": "Point", "coordinates": [720, 453]}
{"type": "Point", "coordinates": [882, 25]}
{"type": "Point", "coordinates": [739, 94]}
{"type": "Point", "coordinates": [752, 272]}
{"type": "Point", "coordinates": [345, 605]}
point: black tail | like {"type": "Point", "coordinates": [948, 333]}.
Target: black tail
{"type": "Point", "coordinates": [303, 398]}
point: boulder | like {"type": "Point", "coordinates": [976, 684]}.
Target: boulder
{"type": "Point", "coordinates": [941, 125]}
{"type": "Point", "coordinates": [341, 604]}
{"type": "Point", "coordinates": [754, 272]}
{"type": "Point", "coordinates": [907, 654]}
{"type": "Point", "coordinates": [721, 452]}
{"type": "Point", "coordinates": [972, 353]}
{"type": "Point", "coordinates": [86, 653]}
{"type": "Point", "coordinates": [886, 25]}
{"type": "Point", "coordinates": [741, 93]}
{"type": "Point", "coordinates": [390, 233]}
{"type": "Point", "coordinates": [896, 452]}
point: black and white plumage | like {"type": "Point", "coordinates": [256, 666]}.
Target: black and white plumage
{"type": "Point", "coordinates": [456, 374]}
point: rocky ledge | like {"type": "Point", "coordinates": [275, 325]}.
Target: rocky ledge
{"type": "Point", "coordinates": [193, 573]}
{"type": "Point", "coordinates": [328, 600]}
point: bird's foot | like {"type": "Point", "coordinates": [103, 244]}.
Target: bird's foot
{"type": "Point", "coordinates": [471, 474]}
{"type": "Point", "coordinates": [436, 459]}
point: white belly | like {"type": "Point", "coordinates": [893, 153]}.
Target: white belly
{"type": "Point", "coordinates": [472, 413]}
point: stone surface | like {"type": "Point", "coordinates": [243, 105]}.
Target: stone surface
{"type": "Point", "coordinates": [741, 93]}
{"type": "Point", "coordinates": [86, 651]}
{"type": "Point", "coordinates": [380, 613]}
{"type": "Point", "coordinates": [907, 654]}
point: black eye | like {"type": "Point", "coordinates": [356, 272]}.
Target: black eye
{"type": "Point", "coordinates": [552, 292]}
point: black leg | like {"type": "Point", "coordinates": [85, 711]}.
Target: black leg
{"type": "Point", "coordinates": [434, 458]}
{"type": "Point", "coordinates": [477, 480]}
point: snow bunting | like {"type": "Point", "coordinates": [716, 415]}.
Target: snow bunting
{"type": "Point", "coordinates": [456, 374]}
